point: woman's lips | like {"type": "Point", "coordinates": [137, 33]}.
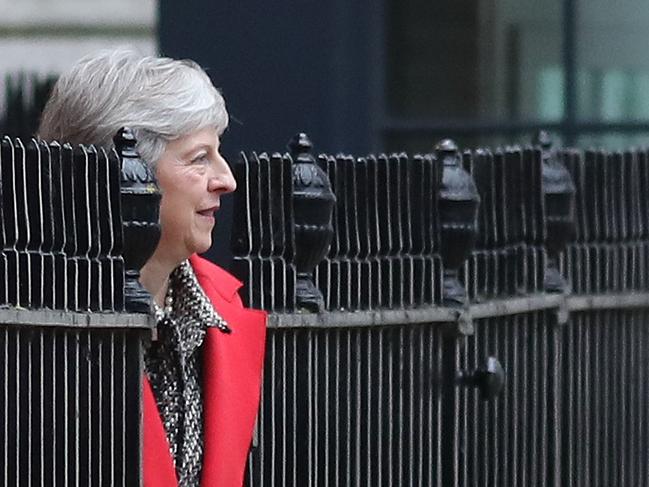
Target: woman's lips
{"type": "Point", "coordinates": [207, 216]}
{"type": "Point", "coordinates": [209, 212]}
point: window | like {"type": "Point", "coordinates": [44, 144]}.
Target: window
{"type": "Point", "coordinates": [496, 71]}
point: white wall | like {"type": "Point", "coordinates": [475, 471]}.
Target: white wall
{"type": "Point", "coordinates": [48, 36]}
{"type": "Point", "coordinates": [77, 12]}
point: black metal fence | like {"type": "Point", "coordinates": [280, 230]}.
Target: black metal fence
{"type": "Point", "coordinates": [431, 304]}
{"type": "Point", "coordinates": [452, 318]}
{"type": "Point", "coordinates": [69, 399]}
{"type": "Point", "coordinates": [70, 343]}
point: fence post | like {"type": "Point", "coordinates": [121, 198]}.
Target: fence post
{"type": "Point", "coordinates": [140, 205]}
{"type": "Point", "coordinates": [313, 203]}
{"type": "Point", "coordinates": [458, 206]}
{"type": "Point", "coordinates": [559, 212]}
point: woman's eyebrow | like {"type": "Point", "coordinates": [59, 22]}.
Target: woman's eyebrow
{"type": "Point", "coordinates": [194, 149]}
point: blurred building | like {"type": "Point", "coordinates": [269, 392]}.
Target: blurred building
{"type": "Point", "coordinates": [496, 70]}
{"type": "Point", "coordinates": [400, 74]}
{"type": "Point", "coordinates": [374, 75]}
{"type": "Point", "coordinates": [45, 37]}
{"type": "Point", "coordinates": [391, 74]}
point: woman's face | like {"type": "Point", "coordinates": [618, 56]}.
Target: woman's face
{"type": "Point", "coordinates": [192, 176]}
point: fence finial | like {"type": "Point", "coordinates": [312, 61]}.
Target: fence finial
{"type": "Point", "coordinates": [458, 204]}
{"type": "Point", "coordinates": [313, 203]}
{"type": "Point", "coordinates": [140, 205]}
{"type": "Point", "coordinates": [559, 212]}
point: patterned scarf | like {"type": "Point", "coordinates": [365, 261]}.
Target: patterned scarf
{"type": "Point", "coordinates": [173, 365]}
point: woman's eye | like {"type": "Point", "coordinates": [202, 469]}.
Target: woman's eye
{"type": "Point", "coordinates": [200, 159]}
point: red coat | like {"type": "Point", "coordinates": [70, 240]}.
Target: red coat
{"type": "Point", "coordinates": [232, 367]}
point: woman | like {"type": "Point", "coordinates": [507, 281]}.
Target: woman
{"type": "Point", "coordinates": [201, 389]}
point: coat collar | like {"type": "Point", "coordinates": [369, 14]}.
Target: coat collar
{"type": "Point", "coordinates": [231, 387]}
{"type": "Point", "coordinates": [209, 274]}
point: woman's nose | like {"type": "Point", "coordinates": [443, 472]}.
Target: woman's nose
{"type": "Point", "coordinates": [221, 178]}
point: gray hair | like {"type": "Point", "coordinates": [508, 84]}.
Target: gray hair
{"type": "Point", "coordinates": [160, 98]}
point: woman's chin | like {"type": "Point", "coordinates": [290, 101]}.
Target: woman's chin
{"type": "Point", "coordinates": [202, 246]}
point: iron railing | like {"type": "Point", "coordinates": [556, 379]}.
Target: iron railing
{"type": "Point", "coordinates": [430, 305]}
{"type": "Point", "coordinates": [437, 279]}
{"type": "Point", "coordinates": [71, 342]}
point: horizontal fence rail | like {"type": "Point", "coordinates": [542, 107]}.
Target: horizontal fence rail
{"type": "Point", "coordinates": [482, 316]}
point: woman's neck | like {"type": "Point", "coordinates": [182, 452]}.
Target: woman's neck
{"type": "Point", "coordinates": [154, 276]}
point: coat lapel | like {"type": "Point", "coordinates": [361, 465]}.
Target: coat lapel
{"type": "Point", "coordinates": [232, 368]}
{"type": "Point", "coordinates": [157, 465]}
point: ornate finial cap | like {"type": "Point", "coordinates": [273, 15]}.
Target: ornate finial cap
{"type": "Point", "coordinates": [134, 169]}
{"type": "Point", "coordinates": [300, 147]}
{"type": "Point", "coordinates": [543, 139]}
{"type": "Point", "coordinates": [447, 146]}
{"type": "Point", "coordinates": [124, 141]}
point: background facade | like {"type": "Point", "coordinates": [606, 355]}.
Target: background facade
{"type": "Point", "coordinates": [382, 75]}
{"type": "Point", "coordinates": [45, 37]}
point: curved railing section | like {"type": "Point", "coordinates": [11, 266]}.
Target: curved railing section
{"type": "Point", "coordinates": [484, 321]}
